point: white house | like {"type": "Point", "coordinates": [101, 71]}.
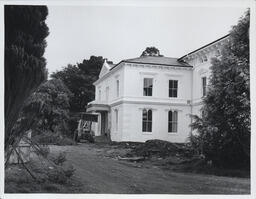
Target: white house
{"type": "Point", "coordinates": [152, 97]}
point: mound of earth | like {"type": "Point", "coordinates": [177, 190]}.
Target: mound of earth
{"type": "Point", "coordinates": [160, 148]}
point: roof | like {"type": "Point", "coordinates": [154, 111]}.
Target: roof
{"type": "Point", "coordinates": [156, 60]}
{"type": "Point", "coordinates": [204, 46]}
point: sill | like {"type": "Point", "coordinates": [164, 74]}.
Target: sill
{"type": "Point", "coordinates": [172, 133]}
{"type": "Point", "coordinates": [147, 133]}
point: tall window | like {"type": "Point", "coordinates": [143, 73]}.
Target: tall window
{"type": "Point", "coordinates": [204, 86]}
{"type": "Point", "coordinates": [107, 93]}
{"type": "Point", "coordinates": [99, 95]}
{"type": "Point", "coordinates": [116, 117]}
{"type": "Point", "coordinates": [173, 88]}
{"type": "Point", "coordinates": [117, 88]}
{"type": "Point", "coordinates": [148, 87]}
{"type": "Point", "coordinates": [172, 121]}
{"type": "Point", "coordinates": [147, 120]}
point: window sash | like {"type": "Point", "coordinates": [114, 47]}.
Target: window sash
{"type": "Point", "coordinates": [148, 87]}
{"type": "Point", "coordinates": [116, 111]}
{"type": "Point", "coordinates": [117, 88]}
{"type": "Point", "coordinates": [173, 88]}
{"type": "Point", "coordinates": [204, 85]}
{"type": "Point", "coordinates": [172, 121]}
{"type": "Point", "coordinates": [147, 120]}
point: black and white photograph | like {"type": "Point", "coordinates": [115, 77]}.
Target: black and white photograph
{"type": "Point", "coordinates": [112, 97]}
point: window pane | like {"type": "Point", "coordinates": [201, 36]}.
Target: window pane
{"type": "Point", "coordinates": [144, 91]}
{"type": "Point", "coordinates": [144, 114]}
{"type": "Point", "coordinates": [148, 87]}
{"type": "Point", "coordinates": [169, 127]}
{"type": "Point", "coordinates": [175, 84]}
{"type": "Point", "coordinates": [149, 115]}
{"type": "Point", "coordinates": [149, 129]}
{"type": "Point", "coordinates": [170, 116]}
{"type": "Point", "coordinates": [174, 127]}
{"type": "Point", "coordinates": [170, 84]}
{"type": "Point", "coordinates": [149, 92]}
{"type": "Point", "coordinates": [144, 126]}
{"type": "Point", "coordinates": [174, 93]}
{"type": "Point", "coordinates": [173, 88]}
{"type": "Point", "coordinates": [175, 116]}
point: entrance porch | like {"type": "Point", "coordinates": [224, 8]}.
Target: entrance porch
{"type": "Point", "coordinates": [102, 128]}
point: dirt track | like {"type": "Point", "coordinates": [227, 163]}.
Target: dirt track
{"type": "Point", "coordinates": [102, 174]}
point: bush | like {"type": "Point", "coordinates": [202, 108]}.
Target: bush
{"type": "Point", "coordinates": [60, 159]}
{"type": "Point", "coordinates": [57, 175]}
{"type": "Point", "coordinates": [69, 171]}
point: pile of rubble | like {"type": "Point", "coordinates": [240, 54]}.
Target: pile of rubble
{"type": "Point", "coordinates": [160, 148]}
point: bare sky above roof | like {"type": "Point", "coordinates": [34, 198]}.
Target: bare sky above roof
{"type": "Point", "coordinates": [116, 33]}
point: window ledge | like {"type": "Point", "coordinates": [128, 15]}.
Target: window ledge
{"type": "Point", "coordinates": [173, 133]}
{"type": "Point", "coordinates": [147, 133]}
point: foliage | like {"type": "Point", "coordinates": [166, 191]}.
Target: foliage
{"type": "Point", "coordinates": [224, 130]}
{"type": "Point", "coordinates": [53, 99]}
{"type": "Point", "coordinates": [25, 33]}
{"type": "Point", "coordinates": [79, 79]}
{"type": "Point", "coordinates": [151, 51]}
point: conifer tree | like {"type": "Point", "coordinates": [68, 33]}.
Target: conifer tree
{"type": "Point", "coordinates": [25, 33]}
{"type": "Point", "coordinates": [224, 130]}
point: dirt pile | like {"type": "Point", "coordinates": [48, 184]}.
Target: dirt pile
{"type": "Point", "coordinates": [160, 148]}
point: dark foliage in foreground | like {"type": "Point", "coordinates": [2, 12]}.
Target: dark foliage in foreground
{"type": "Point", "coordinates": [224, 130]}
{"type": "Point", "coordinates": [25, 33]}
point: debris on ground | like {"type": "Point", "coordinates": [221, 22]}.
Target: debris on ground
{"type": "Point", "coordinates": [160, 148]}
{"type": "Point", "coordinates": [132, 159]}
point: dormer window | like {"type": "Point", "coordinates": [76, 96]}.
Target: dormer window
{"type": "Point", "coordinates": [205, 58]}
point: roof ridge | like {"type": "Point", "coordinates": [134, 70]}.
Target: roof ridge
{"type": "Point", "coordinates": [179, 59]}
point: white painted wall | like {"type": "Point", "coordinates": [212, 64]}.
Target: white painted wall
{"type": "Point", "coordinates": [131, 101]}
{"type": "Point", "coordinates": [132, 123]}
{"type": "Point", "coordinates": [134, 75]}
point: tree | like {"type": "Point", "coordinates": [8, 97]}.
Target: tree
{"type": "Point", "coordinates": [25, 33]}
{"type": "Point", "coordinates": [151, 51]}
{"type": "Point", "coordinates": [224, 130]}
{"type": "Point", "coordinates": [79, 80]}
{"type": "Point", "coordinates": [53, 99]}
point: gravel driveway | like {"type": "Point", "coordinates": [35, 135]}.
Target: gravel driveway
{"type": "Point", "coordinates": [100, 172]}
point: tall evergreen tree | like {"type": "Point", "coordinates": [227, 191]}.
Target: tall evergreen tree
{"type": "Point", "coordinates": [25, 33]}
{"type": "Point", "coordinates": [224, 130]}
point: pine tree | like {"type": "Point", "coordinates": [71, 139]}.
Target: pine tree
{"type": "Point", "coordinates": [25, 33]}
{"type": "Point", "coordinates": [224, 130]}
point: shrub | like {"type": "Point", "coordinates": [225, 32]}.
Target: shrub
{"type": "Point", "coordinates": [60, 159]}
{"type": "Point", "coordinates": [57, 175]}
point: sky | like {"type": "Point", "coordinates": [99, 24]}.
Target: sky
{"type": "Point", "coordinates": [117, 33]}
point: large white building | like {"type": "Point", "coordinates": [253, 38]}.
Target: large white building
{"type": "Point", "coordinates": [152, 97]}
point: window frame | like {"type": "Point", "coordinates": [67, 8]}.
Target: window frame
{"type": "Point", "coordinates": [99, 94]}
{"type": "Point", "coordinates": [173, 89]}
{"type": "Point", "coordinates": [116, 119]}
{"type": "Point", "coordinates": [173, 121]}
{"type": "Point", "coordinates": [149, 90]}
{"type": "Point", "coordinates": [107, 93]}
{"type": "Point", "coordinates": [117, 88]}
{"type": "Point", "coordinates": [204, 86]}
{"type": "Point", "coordinates": [148, 122]}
